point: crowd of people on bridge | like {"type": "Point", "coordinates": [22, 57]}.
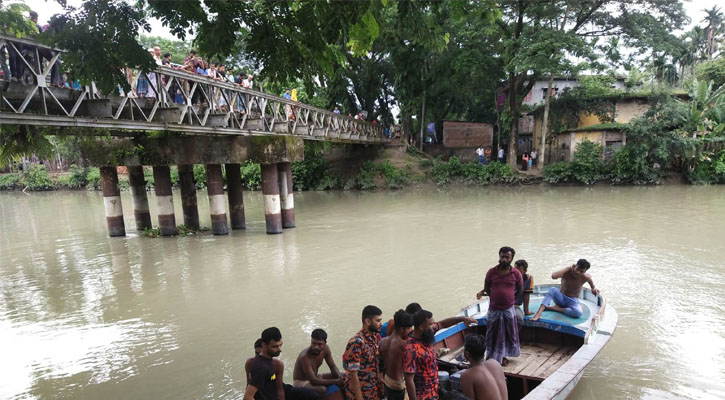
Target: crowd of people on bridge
{"type": "Point", "coordinates": [396, 359]}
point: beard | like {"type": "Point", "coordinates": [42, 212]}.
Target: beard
{"type": "Point", "coordinates": [315, 352]}
{"type": "Point", "coordinates": [428, 337]}
{"type": "Point", "coordinates": [504, 264]}
{"type": "Point", "coordinates": [274, 354]}
{"type": "Point", "coordinates": [373, 329]}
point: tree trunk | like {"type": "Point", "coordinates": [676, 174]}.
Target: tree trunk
{"type": "Point", "coordinates": [422, 122]}
{"type": "Point", "coordinates": [514, 131]}
{"type": "Point", "coordinates": [545, 122]}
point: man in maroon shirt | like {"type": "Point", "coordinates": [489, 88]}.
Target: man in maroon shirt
{"type": "Point", "coordinates": [503, 283]}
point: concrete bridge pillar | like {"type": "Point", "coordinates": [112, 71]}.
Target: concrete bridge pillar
{"type": "Point", "coordinates": [286, 194]}
{"type": "Point", "coordinates": [188, 196]}
{"type": "Point", "coordinates": [270, 190]}
{"type": "Point", "coordinates": [236, 195]}
{"type": "Point", "coordinates": [139, 201]}
{"type": "Point", "coordinates": [164, 200]}
{"type": "Point", "coordinates": [112, 201]}
{"type": "Point", "coordinates": [217, 205]}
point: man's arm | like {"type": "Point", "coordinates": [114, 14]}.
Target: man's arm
{"type": "Point", "coordinates": [454, 320]}
{"type": "Point", "coordinates": [355, 385]}
{"type": "Point", "coordinates": [250, 392]}
{"type": "Point", "coordinates": [467, 386]}
{"type": "Point", "coordinates": [280, 380]}
{"type": "Point", "coordinates": [410, 386]}
{"type": "Point", "coordinates": [558, 274]}
{"type": "Point", "coordinates": [527, 296]}
{"type": "Point", "coordinates": [486, 287]}
{"type": "Point", "coordinates": [311, 376]}
{"type": "Point", "coordinates": [595, 291]}
{"type": "Point", "coordinates": [331, 363]}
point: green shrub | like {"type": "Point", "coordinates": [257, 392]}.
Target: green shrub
{"type": "Point", "coordinates": [37, 178]}
{"type": "Point", "coordinates": [199, 176]}
{"type": "Point", "coordinates": [148, 177]}
{"type": "Point", "coordinates": [174, 172]}
{"type": "Point", "coordinates": [251, 175]}
{"type": "Point", "coordinates": [710, 170]}
{"type": "Point", "coordinates": [313, 173]}
{"type": "Point", "coordinates": [627, 167]}
{"type": "Point", "coordinates": [94, 178]}
{"type": "Point", "coordinates": [443, 172]}
{"type": "Point", "coordinates": [588, 166]}
{"type": "Point", "coordinates": [558, 172]}
{"type": "Point", "coordinates": [474, 173]}
{"type": "Point", "coordinates": [76, 179]}
{"type": "Point", "coordinates": [10, 182]}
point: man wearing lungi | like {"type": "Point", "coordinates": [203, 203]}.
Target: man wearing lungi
{"type": "Point", "coordinates": [502, 284]}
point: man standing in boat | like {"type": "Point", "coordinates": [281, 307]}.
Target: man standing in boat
{"type": "Point", "coordinates": [566, 299]}
{"type": "Point", "coordinates": [361, 358]}
{"type": "Point", "coordinates": [308, 363]}
{"type": "Point", "coordinates": [392, 349]}
{"type": "Point", "coordinates": [502, 284]}
{"type": "Point", "coordinates": [485, 380]}
{"type": "Point", "coordinates": [420, 361]}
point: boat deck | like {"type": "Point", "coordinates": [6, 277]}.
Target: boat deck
{"type": "Point", "coordinates": [536, 362]}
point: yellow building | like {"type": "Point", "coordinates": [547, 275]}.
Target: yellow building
{"type": "Point", "coordinates": [561, 145]}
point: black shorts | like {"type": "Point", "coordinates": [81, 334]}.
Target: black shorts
{"type": "Point", "coordinates": [393, 394]}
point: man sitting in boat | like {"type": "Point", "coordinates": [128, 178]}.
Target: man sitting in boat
{"type": "Point", "coordinates": [308, 363]}
{"type": "Point", "coordinates": [484, 380]}
{"type": "Point", "coordinates": [566, 299]}
{"type": "Point", "coordinates": [420, 361]}
{"type": "Point", "coordinates": [502, 283]}
{"type": "Point", "coordinates": [392, 349]}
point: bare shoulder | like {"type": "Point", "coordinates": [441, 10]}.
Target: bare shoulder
{"type": "Point", "coordinates": [494, 367]}
{"type": "Point", "coordinates": [328, 350]}
{"type": "Point", "coordinates": [278, 363]}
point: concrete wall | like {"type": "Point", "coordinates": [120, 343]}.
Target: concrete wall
{"type": "Point", "coordinates": [627, 109]}
{"type": "Point", "coordinates": [538, 92]}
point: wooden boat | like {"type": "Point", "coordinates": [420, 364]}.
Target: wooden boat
{"type": "Point", "coordinates": [554, 350]}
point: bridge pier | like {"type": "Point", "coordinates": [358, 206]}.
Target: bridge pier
{"type": "Point", "coordinates": [188, 196]}
{"type": "Point", "coordinates": [112, 201]}
{"type": "Point", "coordinates": [139, 201]}
{"type": "Point", "coordinates": [236, 195]}
{"type": "Point", "coordinates": [217, 205]}
{"type": "Point", "coordinates": [270, 190]}
{"type": "Point", "coordinates": [286, 194]}
{"type": "Point", "coordinates": [164, 200]}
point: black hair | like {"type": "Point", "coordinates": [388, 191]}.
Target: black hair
{"type": "Point", "coordinates": [523, 264]}
{"type": "Point", "coordinates": [369, 312]}
{"type": "Point", "coordinates": [475, 346]}
{"type": "Point", "coordinates": [258, 344]}
{"type": "Point", "coordinates": [583, 264]}
{"type": "Point", "coordinates": [413, 308]}
{"type": "Point", "coordinates": [319, 334]}
{"type": "Point", "coordinates": [33, 14]}
{"type": "Point", "coordinates": [402, 319]}
{"type": "Point", "coordinates": [506, 249]}
{"type": "Point", "coordinates": [420, 317]}
{"type": "Point", "coordinates": [192, 51]}
{"type": "Point", "coordinates": [167, 55]}
{"type": "Point", "coordinates": [271, 334]}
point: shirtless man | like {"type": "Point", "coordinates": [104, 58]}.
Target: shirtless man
{"type": "Point", "coordinates": [308, 363]}
{"type": "Point", "coordinates": [392, 349]}
{"type": "Point", "coordinates": [485, 379]}
{"type": "Point", "coordinates": [566, 299]}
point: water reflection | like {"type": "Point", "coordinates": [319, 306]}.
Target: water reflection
{"type": "Point", "coordinates": [85, 316]}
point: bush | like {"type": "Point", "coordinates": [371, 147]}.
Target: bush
{"type": "Point", "coordinates": [710, 170]}
{"type": "Point", "coordinates": [474, 173]}
{"type": "Point", "coordinates": [251, 175]}
{"type": "Point", "coordinates": [75, 180]}
{"type": "Point", "coordinates": [588, 166]}
{"type": "Point", "coordinates": [37, 178]}
{"type": "Point", "coordinates": [174, 173]}
{"type": "Point", "coordinates": [199, 176]}
{"type": "Point", "coordinates": [628, 167]}
{"type": "Point", "coordinates": [313, 173]}
{"type": "Point", "coordinates": [558, 172]}
{"type": "Point", "coordinates": [148, 177]}
{"type": "Point", "coordinates": [10, 182]}
{"type": "Point", "coordinates": [443, 172]}
{"type": "Point", "coordinates": [93, 178]}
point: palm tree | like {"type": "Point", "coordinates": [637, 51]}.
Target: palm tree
{"type": "Point", "coordinates": [714, 20]}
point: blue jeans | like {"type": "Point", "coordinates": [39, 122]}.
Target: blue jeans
{"type": "Point", "coordinates": [480, 159]}
{"type": "Point", "coordinates": [570, 305]}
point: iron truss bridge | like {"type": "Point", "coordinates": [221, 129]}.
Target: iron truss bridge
{"type": "Point", "coordinates": [175, 100]}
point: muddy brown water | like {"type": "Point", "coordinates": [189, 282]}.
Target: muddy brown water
{"type": "Point", "coordinates": [84, 316]}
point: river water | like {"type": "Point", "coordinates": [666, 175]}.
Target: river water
{"type": "Point", "coordinates": [84, 316]}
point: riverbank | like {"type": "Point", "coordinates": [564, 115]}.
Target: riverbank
{"type": "Point", "coordinates": [360, 168]}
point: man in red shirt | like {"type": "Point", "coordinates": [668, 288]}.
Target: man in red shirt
{"type": "Point", "coordinates": [503, 283]}
{"type": "Point", "coordinates": [419, 361]}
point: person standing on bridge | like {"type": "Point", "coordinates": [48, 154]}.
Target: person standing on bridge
{"type": "Point", "coordinates": [502, 284]}
{"type": "Point", "coordinates": [361, 358]}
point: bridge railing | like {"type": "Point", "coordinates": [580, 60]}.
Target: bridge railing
{"type": "Point", "coordinates": [173, 99]}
